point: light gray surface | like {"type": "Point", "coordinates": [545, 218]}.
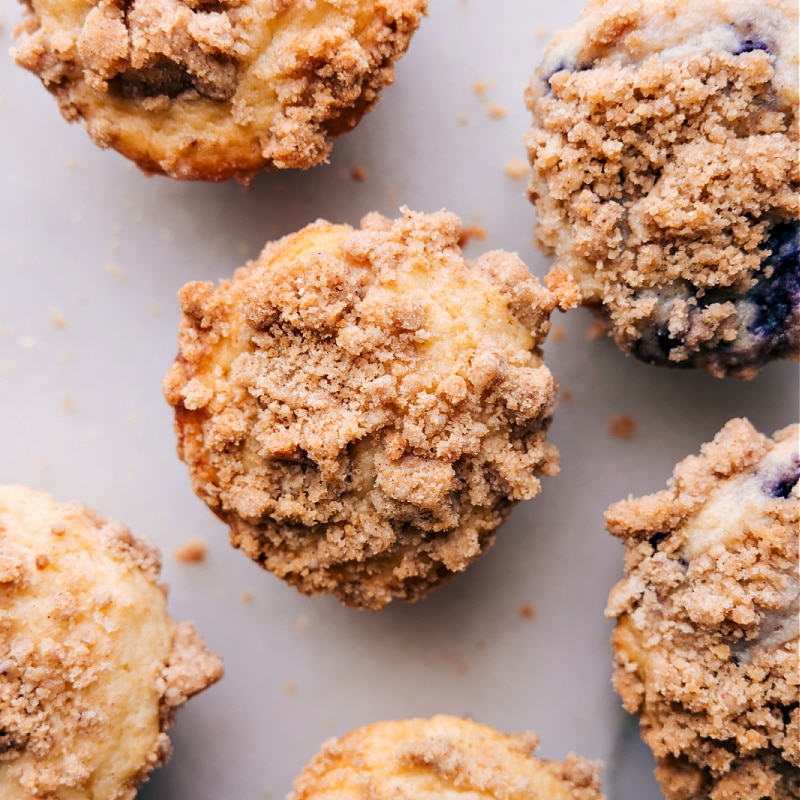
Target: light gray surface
{"type": "Point", "coordinates": [86, 240]}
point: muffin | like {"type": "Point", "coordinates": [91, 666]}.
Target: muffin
{"type": "Point", "coordinates": [665, 176]}
{"type": "Point", "coordinates": [364, 407]}
{"type": "Point", "coordinates": [442, 757]}
{"type": "Point", "coordinates": [211, 91]}
{"type": "Point", "coordinates": [706, 640]}
{"type": "Point", "coordinates": [92, 667]}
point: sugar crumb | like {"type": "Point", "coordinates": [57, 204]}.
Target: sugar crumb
{"type": "Point", "coordinates": [358, 174]}
{"type": "Point", "coordinates": [559, 333]}
{"type": "Point", "coordinates": [527, 612]}
{"type": "Point", "coordinates": [566, 395]}
{"type": "Point", "coordinates": [463, 120]}
{"type": "Point", "coordinates": [290, 687]}
{"type": "Point", "coordinates": [193, 552]}
{"type": "Point", "coordinates": [516, 168]}
{"type": "Point", "coordinates": [246, 598]}
{"type": "Point", "coordinates": [622, 426]}
{"type": "Point", "coordinates": [67, 404]}
{"type": "Point", "coordinates": [496, 111]}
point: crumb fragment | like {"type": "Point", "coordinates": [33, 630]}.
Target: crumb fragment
{"type": "Point", "coordinates": [480, 87]}
{"type": "Point", "coordinates": [527, 612]}
{"type": "Point", "coordinates": [246, 598]}
{"type": "Point", "coordinates": [622, 426]}
{"type": "Point", "coordinates": [596, 330]}
{"type": "Point", "coordinates": [67, 404]}
{"type": "Point", "coordinates": [58, 318]}
{"type": "Point", "coordinates": [470, 232]}
{"type": "Point", "coordinates": [192, 552]}
{"type": "Point", "coordinates": [516, 168]}
{"type": "Point", "coordinates": [290, 687]}
{"type": "Point", "coordinates": [359, 174]}
{"type": "Point", "coordinates": [496, 111]}
{"type": "Point", "coordinates": [559, 333]}
{"type": "Point", "coordinates": [302, 623]}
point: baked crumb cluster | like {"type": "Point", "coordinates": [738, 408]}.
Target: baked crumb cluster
{"type": "Point", "coordinates": [665, 176]}
{"type": "Point", "coordinates": [364, 407]}
{"type": "Point", "coordinates": [442, 757]}
{"type": "Point", "coordinates": [92, 667]}
{"type": "Point", "coordinates": [211, 91]}
{"type": "Point", "coordinates": [706, 641]}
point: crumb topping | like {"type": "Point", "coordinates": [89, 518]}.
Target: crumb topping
{"type": "Point", "coordinates": [217, 90]}
{"type": "Point", "coordinates": [706, 642]}
{"type": "Point", "coordinates": [92, 668]}
{"type": "Point", "coordinates": [363, 407]}
{"type": "Point", "coordinates": [660, 175]}
{"type": "Point", "coordinates": [442, 757]}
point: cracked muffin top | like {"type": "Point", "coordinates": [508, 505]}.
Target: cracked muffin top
{"type": "Point", "coordinates": [363, 407]}
{"type": "Point", "coordinates": [446, 758]}
{"type": "Point", "coordinates": [706, 641]}
{"type": "Point", "coordinates": [665, 176]}
{"type": "Point", "coordinates": [216, 90]}
{"type": "Point", "coordinates": [92, 667]}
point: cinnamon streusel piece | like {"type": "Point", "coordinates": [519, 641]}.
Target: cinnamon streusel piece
{"type": "Point", "coordinates": [216, 90]}
{"type": "Point", "coordinates": [446, 758]}
{"type": "Point", "coordinates": [364, 407]}
{"type": "Point", "coordinates": [706, 641]}
{"type": "Point", "coordinates": [665, 176]}
{"type": "Point", "coordinates": [92, 667]}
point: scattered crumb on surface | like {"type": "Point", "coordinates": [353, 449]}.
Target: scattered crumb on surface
{"type": "Point", "coordinates": [246, 598]}
{"type": "Point", "coordinates": [480, 87]}
{"type": "Point", "coordinates": [516, 168]}
{"type": "Point", "coordinates": [566, 395]}
{"type": "Point", "coordinates": [496, 111]}
{"type": "Point", "coordinates": [58, 318]}
{"type": "Point", "coordinates": [527, 612]}
{"type": "Point", "coordinates": [67, 404]}
{"type": "Point", "coordinates": [192, 552]}
{"type": "Point", "coordinates": [116, 271]}
{"type": "Point", "coordinates": [302, 623]}
{"type": "Point", "coordinates": [463, 120]}
{"type": "Point", "coordinates": [622, 426]}
{"type": "Point", "coordinates": [597, 330]}
{"type": "Point", "coordinates": [358, 174]}
{"type": "Point", "coordinates": [71, 164]}
{"type": "Point", "coordinates": [559, 333]}
{"type": "Point", "coordinates": [470, 232]}
{"type": "Point", "coordinates": [290, 687]}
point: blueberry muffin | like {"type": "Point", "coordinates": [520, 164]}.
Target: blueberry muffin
{"type": "Point", "coordinates": [92, 667]}
{"type": "Point", "coordinates": [211, 91]}
{"type": "Point", "coordinates": [364, 407]}
{"type": "Point", "coordinates": [665, 176]}
{"type": "Point", "coordinates": [706, 641]}
{"type": "Point", "coordinates": [442, 758]}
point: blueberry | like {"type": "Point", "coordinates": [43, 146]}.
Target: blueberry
{"type": "Point", "coordinates": [777, 297]}
{"type": "Point", "coordinates": [749, 40]}
{"type": "Point", "coordinates": [786, 481]}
